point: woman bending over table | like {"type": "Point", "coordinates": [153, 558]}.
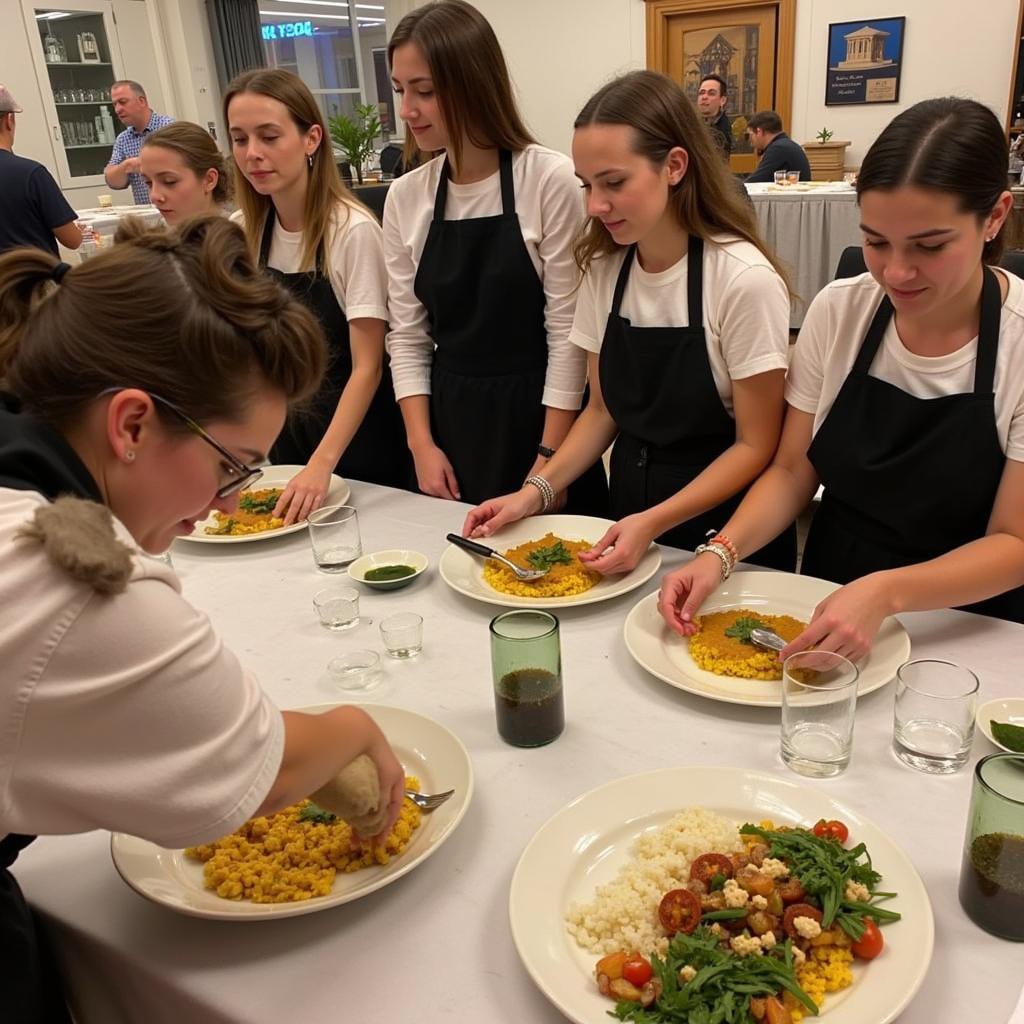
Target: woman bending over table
{"type": "Point", "coordinates": [121, 707]}
{"type": "Point", "coordinates": [185, 172]}
{"type": "Point", "coordinates": [683, 317]}
{"type": "Point", "coordinates": [906, 401]}
{"type": "Point", "coordinates": [481, 277]}
{"type": "Point", "coordinates": [325, 247]}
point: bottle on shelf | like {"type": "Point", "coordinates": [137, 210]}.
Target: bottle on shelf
{"type": "Point", "coordinates": [54, 50]}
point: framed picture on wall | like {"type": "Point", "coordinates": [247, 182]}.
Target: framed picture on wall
{"type": "Point", "coordinates": [864, 61]}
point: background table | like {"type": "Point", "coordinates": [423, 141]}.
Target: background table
{"type": "Point", "coordinates": [436, 945]}
{"type": "Point", "coordinates": [807, 230]}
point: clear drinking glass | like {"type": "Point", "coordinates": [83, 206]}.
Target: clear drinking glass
{"type": "Point", "coordinates": [338, 607]}
{"type": "Point", "coordinates": [359, 670]}
{"type": "Point", "coordinates": [334, 534]}
{"type": "Point", "coordinates": [933, 722]}
{"type": "Point", "coordinates": [992, 873]}
{"type": "Point", "coordinates": [780, 177]}
{"type": "Point", "coordinates": [402, 634]}
{"type": "Point", "coordinates": [819, 698]}
{"type": "Point", "coordinates": [792, 177]}
{"type": "Point", "coordinates": [526, 664]}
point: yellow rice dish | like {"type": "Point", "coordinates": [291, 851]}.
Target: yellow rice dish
{"type": "Point", "coordinates": [253, 514]}
{"type": "Point", "coordinates": [719, 647]}
{"type": "Point", "coordinates": [566, 574]}
{"type": "Point", "coordinates": [827, 969]}
{"type": "Point", "coordinates": [282, 858]}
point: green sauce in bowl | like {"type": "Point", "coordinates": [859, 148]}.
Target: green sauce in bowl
{"type": "Point", "coordinates": [386, 573]}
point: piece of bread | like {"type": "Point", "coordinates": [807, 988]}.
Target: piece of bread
{"type": "Point", "coordinates": [354, 796]}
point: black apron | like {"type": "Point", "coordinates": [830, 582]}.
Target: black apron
{"type": "Point", "coordinates": [908, 479]}
{"type": "Point", "coordinates": [485, 303]}
{"type": "Point", "coordinates": [378, 452]}
{"type": "Point", "coordinates": [659, 388]}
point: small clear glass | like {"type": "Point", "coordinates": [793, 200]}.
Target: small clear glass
{"type": "Point", "coordinates": [358, 670]}
{"type": "Point", "coordinates": [992, 872]}
{"type": "Point", "coordinates": [780, 177]}
{"type": "Point", "coordinates": [526, 665]}
{"type": "Point", "coordinates": [338, 607]}
{"type": "Point", "coordinates": [933, 719]}
{"type": "Point", "coordinates": [819, 698]}
{"type": "Point", "coordinates": [334, 535]}
{"type": "Point", "coordinates": [792, 177]}
{"type": "Point", "coordinates": [402, 634]}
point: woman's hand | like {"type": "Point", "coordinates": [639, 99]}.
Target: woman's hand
{"type": "Point", "coordinates": [685, 590]}
{"type": "Point", "coordinates": [391, 778]}
{"type": "Point", "coordinates": [622, 546]}
{"type": "Point", "coordinates": [434, 473]}
{"type": "Point", "coordinates": [304, 494]}
{"type": "Point", "coordinates": [847, 621]}
{"type": "Point", "coordinates": [492, 515]}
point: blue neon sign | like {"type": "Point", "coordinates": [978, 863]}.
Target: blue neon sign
{"type": "Point", "coordinates": [287, 29]}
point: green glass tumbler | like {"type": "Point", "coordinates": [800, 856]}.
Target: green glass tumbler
{"type": "Point", "coordinates": [992, 873]}
{"type": "Point", "coordinates": [526, 661]}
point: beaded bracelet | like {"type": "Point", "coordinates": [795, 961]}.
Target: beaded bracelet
{"type": "Point", "coordinates": [547, 492]}
{"type": "Point", "coordinates": [722, 553]}
{"type": "Point", "coordinates": [721, 538]}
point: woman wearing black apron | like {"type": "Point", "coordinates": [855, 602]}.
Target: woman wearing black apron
{"type": "Point", "coordinates": [684, 320]}
{"type": "Point", "coordinates": [481, 278]}
{"type": "Point", "coordinates": [906, 397]}
{"type": "Point", "coordinates": [326, 248]}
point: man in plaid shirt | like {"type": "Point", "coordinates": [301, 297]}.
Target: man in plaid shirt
{"type": "Point", "coordinates": [134, 111]}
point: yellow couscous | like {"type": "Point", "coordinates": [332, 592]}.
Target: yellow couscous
{"type": "Point", "coordinates": [564, 578]}
{"type": "Point", "coordinates": [827, 969]}
{"type": "Point", "coordinates": [725, 655]}
{"type": "Point", "coordinates": [282, 859]}
{"type": "Point", "coordinates": [253, 515]}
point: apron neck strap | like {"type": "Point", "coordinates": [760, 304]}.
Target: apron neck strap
{"type": "Point", "coordinates": [268, 237]}
{"type": "Point", "coordinates": [620, 282]}
{"type": "Point", "coordinates": [694, 281]}
{"type": "Point", "coordinates": [873, 339]}
{"type": "Point", "coordinates": [508, 194]}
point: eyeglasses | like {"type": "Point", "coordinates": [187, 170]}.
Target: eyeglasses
{"type": "Point", "coordinates": [241, 474]}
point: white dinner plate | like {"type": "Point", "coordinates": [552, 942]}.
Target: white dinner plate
{"type": "Point", "coordinates": [465, 572]}
{"type": "Point", "coordinates": [273, 476]}
{"type": "Point", "coordinates": [426, 749]}
{"type": "Point", "coordinates": [666, 655]}
{"type": "Point", "coordinates": [1004, 709]}
{"type": "Point", "coordinates": [586, 843]}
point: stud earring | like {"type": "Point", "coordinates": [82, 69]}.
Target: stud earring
{"type": "Point", "coordinates": [129, 456]}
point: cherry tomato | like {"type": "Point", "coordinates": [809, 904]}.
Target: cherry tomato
{"type": "Point", "coordinates": [679, 911]}
{"type": "Point", "coordinates": [832, 829]}
{"type": "Point", "coordinates": [637, 970]}
{"type": "Point", "coordinates": [707, 865]}
{"type": "Point", "coordinates": [795, 910]}
{"type": "Point", "coordinates": [870, 944]}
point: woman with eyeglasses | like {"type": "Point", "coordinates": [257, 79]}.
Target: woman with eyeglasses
{"type": "Point", "coordinates": [121, 708]}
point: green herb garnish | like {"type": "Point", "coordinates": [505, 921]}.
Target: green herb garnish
{"type": "Point", "coordinates": [553, 554]}
{"type": "Point", "coordinates": [743, 627]}
{"type": "Point", "coordinates": [717, 882]}
{"type": "Point", "coordinates": [313, 812]}
{"type": "Point", "coordinates": [1009, 735]}
{"type": "Point", "coordinates": [248, 502]}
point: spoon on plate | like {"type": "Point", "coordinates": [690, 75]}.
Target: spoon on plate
{"type": "Point", "coordinates": [768, 639]}
{"type": "Point", "coordinates": [482, 549]}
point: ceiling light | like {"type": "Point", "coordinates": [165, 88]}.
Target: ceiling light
{"type": "Point", "coordinates": [304, 15]}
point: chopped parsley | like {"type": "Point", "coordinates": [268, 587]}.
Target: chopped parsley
{"type": "Point", "coordinates": [262, 505]}
{"type": "Point", "coordinates": [743, 627]}
{"type": "Point", "coordinates": [553, 554]}
{"type": "Point", "coordinates": [313, 812]}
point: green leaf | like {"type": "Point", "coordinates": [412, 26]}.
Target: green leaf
{"type": "Point", "coordinates": [313, 812]}
{"type": "Point", "coordinates": [553, 554]}
{"type": "Point", "coordinates": [743, 627]}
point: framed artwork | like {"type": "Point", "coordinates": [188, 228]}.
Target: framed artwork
{"type": "Point", "coordinates": [864, 61]}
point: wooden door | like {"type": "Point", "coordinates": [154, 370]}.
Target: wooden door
{"type": "Point", "coordinates": [748, 43]}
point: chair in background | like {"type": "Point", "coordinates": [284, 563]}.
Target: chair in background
{"type": "Point", "coordinates": [372, 196]}
{"type": "Point", "coordinates": [851, 262]}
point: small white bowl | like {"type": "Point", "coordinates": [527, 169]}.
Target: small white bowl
{"type": "Point", "coordinates": [1005, 709]}
{"type": "Point", "coordinates": [394, 556]}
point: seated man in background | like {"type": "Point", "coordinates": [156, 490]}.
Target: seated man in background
{"type": "Point", "coordinates": [777, 150]}
{"type": "Point", "coordinates": [33, 210]}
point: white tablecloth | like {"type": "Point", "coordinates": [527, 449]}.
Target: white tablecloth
{"type": "Point", "coordinates": [808, 232]}
{"type": "Point", "coordinates": [436, 945]}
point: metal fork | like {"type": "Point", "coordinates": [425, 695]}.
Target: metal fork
{"type": "Point", "coordinates": [428, 801]}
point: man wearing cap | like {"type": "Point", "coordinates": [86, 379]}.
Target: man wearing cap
{"type": "Point", "coordinates": [134, 112]}
{"type": "Point", "coordinates": [33, 210]}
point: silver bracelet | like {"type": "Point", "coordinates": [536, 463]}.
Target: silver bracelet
{"type": "Point", "coordinates": [723, 557]}
{"type": "Point", "coordinates": [547, 492]}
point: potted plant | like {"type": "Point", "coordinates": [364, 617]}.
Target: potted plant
{"type": "Point", "coordinates": [355, 136]}
{"type": "Point", "coordinates": [824, 135]}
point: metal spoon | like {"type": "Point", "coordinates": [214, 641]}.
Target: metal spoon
{"type": "Point", "coordinates": [768, 639]}
{"type": "Point", "coordinates": [428, 801]}
{"type": "Point", "coordinates": [482, 549]}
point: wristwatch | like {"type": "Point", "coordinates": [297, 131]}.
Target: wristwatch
{"type": "Point", "coordinates": [544, 450]}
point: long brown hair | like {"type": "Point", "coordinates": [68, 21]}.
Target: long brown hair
{"type": "Point", "coordinates": [198, 152]}
{"type": "Point", "coordinates": [206, 328]}
{"type": "Point", "coordinates": [706, 201]}
{"type": "Point", "coordinates": [470, 76]}
{"type": "Point", "coordinates": [325, 189]}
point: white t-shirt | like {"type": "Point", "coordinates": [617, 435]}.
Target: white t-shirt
{"type": "Point", "coordinates": [746, 307]}
{"type": "Point", "coordinates": [836, 323]}
{"type": "Point", "coordinates": [125, 711]}
{"type": "Point", "coordinates": [355, 260]}
{"type": "Point", "coordinates": [549, 206]}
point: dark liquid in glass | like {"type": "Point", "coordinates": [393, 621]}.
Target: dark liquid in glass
{"type": "Point", "coordinates": [529, 707]}
{"type": "Point", "coordinates": [992, 884]}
